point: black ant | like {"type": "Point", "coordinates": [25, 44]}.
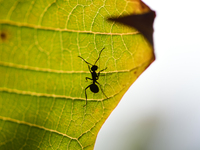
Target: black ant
{"type": "Point", "coordinates": [95, 76]}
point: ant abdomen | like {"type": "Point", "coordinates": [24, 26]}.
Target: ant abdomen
{"type": "Point", "coordinates": [94, 88]}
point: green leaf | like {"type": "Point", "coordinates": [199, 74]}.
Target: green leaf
{"type": "Point", "coordinates": [42, 79]}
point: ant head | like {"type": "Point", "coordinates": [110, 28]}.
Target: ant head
{"type": "Point", "coordinates": [94, 68]}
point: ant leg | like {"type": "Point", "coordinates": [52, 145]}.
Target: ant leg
{"type": "Point", "coordinates": [86, 95]}
{"type": "Point", "coordinates": [88, 78]}
{"type": "Point", "coordinates": [99, 72]}
{"type": "Point", "coordinates": [89, 69]}
{"type": "Point", "coordinates": [101, 89]}
{"type": "Point", "coordinates": [102, 69]}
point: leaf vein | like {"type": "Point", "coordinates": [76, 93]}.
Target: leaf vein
{"type": "Point", "coordinates": [19, 24]}
{"type": "Point", "coordinates": [35, 125]}
{"type": "Point", "coordinates": [18, 66]}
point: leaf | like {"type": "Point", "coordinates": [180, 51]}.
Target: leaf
{"type": "Point", "coordinates": [42, 79]}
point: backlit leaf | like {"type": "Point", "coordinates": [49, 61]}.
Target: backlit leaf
{"type": "Point", "coordinates": [42, 79]}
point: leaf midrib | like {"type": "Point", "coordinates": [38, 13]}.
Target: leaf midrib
{"type": "Point", "coordinates": [24, 67]}
{"type": "Point", "coordinates": [19, 24]}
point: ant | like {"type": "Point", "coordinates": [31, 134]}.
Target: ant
{"type": "Point", "coordinates": [95, 76]}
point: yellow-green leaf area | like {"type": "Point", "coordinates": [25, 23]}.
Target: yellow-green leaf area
{"type": "Point", "coordinates": [42, 79]}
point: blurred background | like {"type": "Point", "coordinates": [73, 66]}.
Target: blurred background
{"type": "Point", "coordinates": [161, 110]}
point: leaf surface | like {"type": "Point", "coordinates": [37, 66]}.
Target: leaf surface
{"type": "Point", "coordinates": [42, 79]}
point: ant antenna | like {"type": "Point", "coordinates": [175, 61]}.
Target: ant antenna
{"type": "Point", "coordinates": [99, 55]}
{"type": "Point", "coordinates": [85, 61]}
